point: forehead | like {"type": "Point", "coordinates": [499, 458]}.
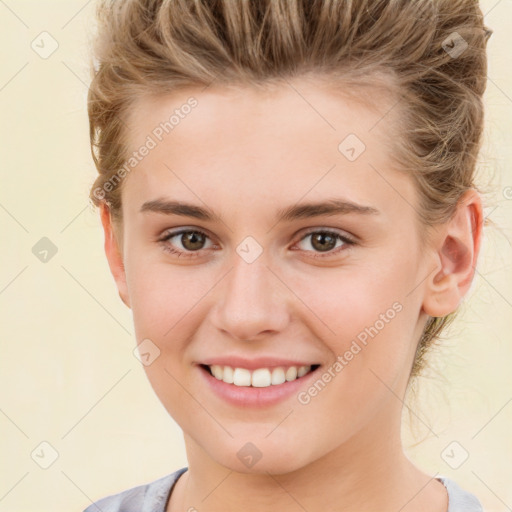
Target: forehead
{"type": "Point", "coordinates": [243, 139]}
{"type": "Point", "coordinates": [305, 105]}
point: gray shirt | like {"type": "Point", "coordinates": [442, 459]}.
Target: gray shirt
{"type": "Point", "coordinates": [153, 497]}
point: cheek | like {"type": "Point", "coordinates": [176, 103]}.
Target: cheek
{"type": "Point", "coordinates": [161, 295]}
{"type": "Point", "coordinates": [351, 298]}
{"type": "Point", "coordinates": [364, 313]}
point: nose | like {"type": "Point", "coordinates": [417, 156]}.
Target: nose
{"type": "Point", "coordinates": [250, 301]}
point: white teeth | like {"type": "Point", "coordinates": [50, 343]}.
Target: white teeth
{"type": "Point", "coordinates": [217, 371]}
{"type": "Point", "coordinates": [291, 373]}
{"type": "Point", "coordinates": [241, 377]}
{"type": "Point", "coordinates": [260, 378]}
{"type": "Point", "coordinates": [227, 375]}
{"type": "Point", "coordinates": [278, 376]}
{"type": "Point", "coordinates": [302, 371]}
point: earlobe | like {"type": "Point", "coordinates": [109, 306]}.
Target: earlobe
{"type": "Point", "coordinates": [456, 255]}
{"type": "Point", "coordinates": [114, 254]}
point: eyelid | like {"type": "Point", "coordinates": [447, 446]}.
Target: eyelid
{"type": "Point", "coordinates": [170, 232]}
{"type": "Point", "coordinates": [343, 234]}
{"type": "Point", "coordinates": [315, 229]}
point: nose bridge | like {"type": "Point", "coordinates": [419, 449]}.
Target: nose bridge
{"type": "Point", "coordinates": [250, 300]}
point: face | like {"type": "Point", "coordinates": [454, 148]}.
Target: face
{"type": "Point", "coordinates": [339, 289]}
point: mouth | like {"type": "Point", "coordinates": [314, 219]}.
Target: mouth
{"type": "Point", "coordinates": [259, 377]}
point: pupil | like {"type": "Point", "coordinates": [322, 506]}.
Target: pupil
{"type": "Point", "coordinates": [322, 237]}
{"type": "Point", "coordinates": [192, 238]}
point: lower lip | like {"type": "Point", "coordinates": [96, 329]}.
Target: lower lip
{"type": "Point", "coordinates": [248, 396]}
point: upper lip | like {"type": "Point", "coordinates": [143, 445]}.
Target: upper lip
{"type": "Point", "coordinates": [254, 363]}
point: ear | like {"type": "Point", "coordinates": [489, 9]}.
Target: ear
{"type": "Point", "coordinates": [114, 254]}
{"type": "Point", "coordinates": [458, 245]}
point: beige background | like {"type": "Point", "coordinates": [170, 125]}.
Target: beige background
{"type": "Point", "coordinates": [68, 374]}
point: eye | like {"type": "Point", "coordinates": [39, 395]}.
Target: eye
{"type": "Point", "coordinates": [325, 241]}
{"type": "Point", "coordinates": [191, 240]}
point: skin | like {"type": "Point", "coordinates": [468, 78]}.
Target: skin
{"type": "Point", "coordinates": [246, 154]}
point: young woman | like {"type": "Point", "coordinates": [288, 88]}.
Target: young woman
{"type": "Point", "coordinates": [286, 190]}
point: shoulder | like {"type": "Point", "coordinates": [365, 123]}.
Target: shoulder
{"type": "Point", "coordinates": [150, 497]}
{"type": "Point", "coordinates": [460, 500]}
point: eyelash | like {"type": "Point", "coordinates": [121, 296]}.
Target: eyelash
{"type": "Point", "coordinates": [194, 254]}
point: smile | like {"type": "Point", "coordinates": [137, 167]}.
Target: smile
{"type": "Point", "coordinates": [260, 387]}
{"type": "Point", "coordinates": [260, 377]}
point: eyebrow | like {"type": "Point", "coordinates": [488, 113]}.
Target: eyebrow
{"type": "Point", "coordinates": [290, 213]}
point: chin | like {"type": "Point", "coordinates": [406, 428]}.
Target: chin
{"type": "Point", "coordinates": [260, 457]}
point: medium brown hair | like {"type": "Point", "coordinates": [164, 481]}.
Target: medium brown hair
{"type": "Point", "coordinates": [412, 47]}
